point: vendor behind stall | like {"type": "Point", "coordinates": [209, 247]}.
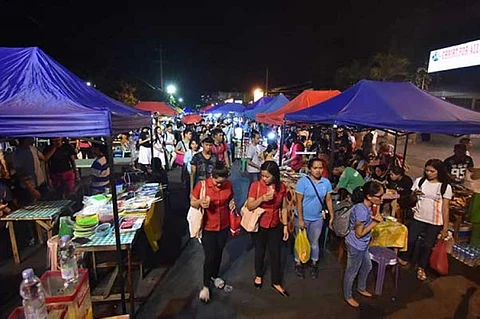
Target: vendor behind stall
{"type": "Point", "coordinates": [349, 178]}
{"type": "Point", "coordinates": [100, 170]}
{"type": "Point", "coordinates": [458, 164]}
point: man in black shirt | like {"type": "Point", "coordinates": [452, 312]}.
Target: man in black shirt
{"type": "Point", "coordinates": [60, 158]}
{"type": "Point", "coordinates": [202, 163]}
{"type": "Point", "coordinates": [458, 164]}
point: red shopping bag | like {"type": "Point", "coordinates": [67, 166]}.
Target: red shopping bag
{"type": "Point", "coordinates": [235, 220]}
{"type": "Point", "coordinates": [439, 258]}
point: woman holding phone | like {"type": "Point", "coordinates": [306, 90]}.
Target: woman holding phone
{"type": "Point", "coordinates": [430, 214]}
{"type": "Point", "coordinates": [268, 193]}
{"type": "Point", "coordinates": [217, 203]}
{"type": "Point", "coordinates": [362, 221]}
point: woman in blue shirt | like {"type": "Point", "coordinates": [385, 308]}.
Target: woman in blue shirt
{"type": "Point", "coordinates": [313, 198]}
{"type": "Point", "coordinates": [357, 240]}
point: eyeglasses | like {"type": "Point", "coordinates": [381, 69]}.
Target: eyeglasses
{"type": "Point", "coordinates": [378, 196]}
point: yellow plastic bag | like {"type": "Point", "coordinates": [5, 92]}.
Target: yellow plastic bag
{"type": "Point", "coordinates": [302, 246]}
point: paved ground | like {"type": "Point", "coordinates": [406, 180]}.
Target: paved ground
{"type": "Point", "coordinates": [177, 276]}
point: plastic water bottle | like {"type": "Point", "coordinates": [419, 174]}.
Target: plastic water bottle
{"type": "Point", "coordinates": [33, 296]}
{"type": "Point", "coordinates": [68, 260]}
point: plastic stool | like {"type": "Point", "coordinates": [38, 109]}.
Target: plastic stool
{"type": "Point", "coordinates": [383, 257]}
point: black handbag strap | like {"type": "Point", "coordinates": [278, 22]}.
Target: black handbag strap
{"type": "Point", "coordinates": [316, 192]}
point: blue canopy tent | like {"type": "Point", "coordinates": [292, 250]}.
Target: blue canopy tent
{"type": "Point", "coordinates": [39, 97]}
{"type": "Point", "coordinates": [397, 106]}
{"type": "Point", "coordinates": [274, 104]}
{"type": "Point", "coordinates": [227, 108]}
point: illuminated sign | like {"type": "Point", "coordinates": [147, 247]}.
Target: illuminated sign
{"type": "Point", "coordinates": [455, 57]}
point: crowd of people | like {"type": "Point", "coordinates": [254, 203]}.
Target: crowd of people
{"type": "Point", "coordinates": [358, 170]}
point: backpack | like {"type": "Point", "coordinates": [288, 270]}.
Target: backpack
{"type": "Point", "coordinates": [443, 188]}
{"type": "Point", "coordinates": [341, 220]}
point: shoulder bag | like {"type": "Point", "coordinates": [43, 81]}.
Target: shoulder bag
{"type": "Point", "coordinates": [250, 218]}
{"type": "Point", "coordinates": [195, 217]}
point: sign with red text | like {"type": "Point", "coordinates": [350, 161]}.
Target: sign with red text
{"type": "Point", "coordinates": [455, 57]}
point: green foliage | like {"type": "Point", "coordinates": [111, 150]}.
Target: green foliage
{"type": "Point", "coordinates": [127, 94]}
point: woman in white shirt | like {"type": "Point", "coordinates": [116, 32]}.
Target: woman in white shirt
{"type": "Point", "coordinates": [431, 213]}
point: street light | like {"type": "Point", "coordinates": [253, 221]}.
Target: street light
{"type": "Point", "coordinates": [180, 100]}
{"type": "Point", "coordinates": [257, 94]}
{"type": "Point", "coordinates": [89, 83]}
{"type": "Point", "coordinates": [171, 89]}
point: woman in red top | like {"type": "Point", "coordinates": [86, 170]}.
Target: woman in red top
{"type": "Point", "coordinates": [269, 194]}
{"type": "Point", "coordinates": [217, 203]}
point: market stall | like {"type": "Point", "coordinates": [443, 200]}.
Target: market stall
{"type": "Point", "coordinates": [398, 107]}
{"type": "Point", "coordinates": [56, 103]}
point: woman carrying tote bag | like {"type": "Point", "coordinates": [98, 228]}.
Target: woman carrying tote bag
{"type": "Point", "coordinates": [217, 203]}
{"type": "Point", "coordinates": [272, 223]}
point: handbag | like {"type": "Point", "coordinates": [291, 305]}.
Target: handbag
{"type": "Point", "coordinates": [235, 223]}
{"type": "Point", "coordinates": [250, 218]}
{"type": "Point", "coordinates": [195, 217]}
{"type": "Point", "coordinates": [179, 157]}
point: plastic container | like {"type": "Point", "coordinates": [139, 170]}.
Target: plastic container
{"type": "Point", "coordinates": [76, 297]}
{"type": "Point", "coordinates": [57, 312]}
{"type": "Point", "coordinates": [103, 230]}
{"type": "Point", "coordinates": [67, 260]}
{"type": "Point", "coordinates": [33, 296]}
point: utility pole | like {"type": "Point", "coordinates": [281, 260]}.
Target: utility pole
{"type": "Point", "coordinates": [266, 82]}
{"type": "Point", "coordinates": [161, 69]}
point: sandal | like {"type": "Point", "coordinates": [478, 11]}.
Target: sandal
{"type": "Point", "coordinates": [421, 275]}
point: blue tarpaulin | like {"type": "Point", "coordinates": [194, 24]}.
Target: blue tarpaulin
{"type": "Point", "coordinates": [399, 106]}
{"type": "Point", "coordinates": [227, 108]}
{"type": "Point", "coordinates": [39, 97]}
{"type": "Point", "coordinates": [274, 104]}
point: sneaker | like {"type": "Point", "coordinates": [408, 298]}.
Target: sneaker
{"type": "Point", "coordinates": [314, 271]}
{"type": "Point", "coordinates": [299, 271]}
{"type": "Point", "coordinates": [219, 283]}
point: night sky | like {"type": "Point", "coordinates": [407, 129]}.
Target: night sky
{"type": "Point", "coordinates": [219, 46]}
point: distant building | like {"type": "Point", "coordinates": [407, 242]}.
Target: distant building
{"type": "Point", "coordinates": [225, 97]}
{"type": "Point", "coordinates": [460, 96]}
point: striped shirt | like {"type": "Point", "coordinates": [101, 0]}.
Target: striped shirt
{"type": "Point", "coordinates": [101, 174]}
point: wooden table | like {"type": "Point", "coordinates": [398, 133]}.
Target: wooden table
{"type": "Point", "coordinates": [44, 214]}
{"type": "Point", "coordinates": [107, 243]}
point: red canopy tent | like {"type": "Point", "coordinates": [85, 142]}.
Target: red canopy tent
{"type": "Point", "coordinates": [305, 100]}
{"type": "Point", "coordinates": [191, 119]}
{"type": "Point", "coordinates": [161, 107]}
{"type": "Point", "coordinates": [207, 107]}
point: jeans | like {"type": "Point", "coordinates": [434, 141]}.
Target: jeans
{"type": "Point", "coordinates": [314, 231]}
{"type": "Point", "coordinates": [430, 237]}
{"type": "Point", "coordinates": [213, 243]}
{"type": "Point", "coordinates": [358, 263]}
{"type": "Point", "coordinates": [253, 177]}
{"type": "Point", "coordinates": [271, 238]}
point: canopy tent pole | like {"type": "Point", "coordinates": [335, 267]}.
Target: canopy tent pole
{"type": "Point", "coordinates": [395, 145]}
{"type": "Point", "coordinates": [151, 147]}
{"type": "Point", "coordinates": [332, 151]}
{"type": "Point", "coordinates": [405, 151]}
{"type": "Point", "coordinates": [113, 191]}
{"type": "Point", "coordinates": [282, 142]}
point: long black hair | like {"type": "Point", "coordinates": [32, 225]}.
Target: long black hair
{"type": "Point", "coordinates": [440, 168]}
{"type": "Point", "coordinates": [272, 168]}
{"type": "Point", "coordinates": [220, 170]}
{"type": "Point", "coordinates": [362, 192]}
